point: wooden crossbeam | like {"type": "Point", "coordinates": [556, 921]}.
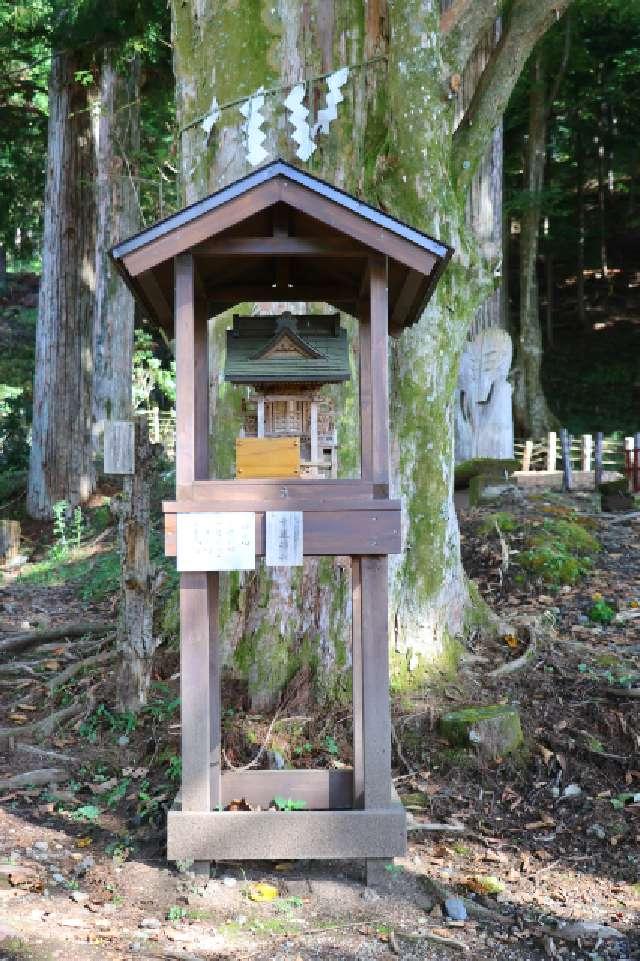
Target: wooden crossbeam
{"type": "Point", "coordinates": [240, 293]}
{"type": "Point", "coordinates": [282, 246]}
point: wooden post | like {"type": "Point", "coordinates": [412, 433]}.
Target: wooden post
{"type": "Point", "coordinates": [552, 450]}
{"type": "Point", "coordinates": [376, 720]}
{"type": "Point", "coordinates": [526, 457]}
{"type": "Point", "coordinates": [636, 463]}
{"type": "Point", "coordinates": [586, 450]}
{"type": "Point", "coordinates": [628, 460]}
{"type": "Point", "coordinates": [313, 430]}
{"type": "Point", "coordinates": [356, 667]}
{"type": "Point", "coordinates": [379, 314]}
{"type": "Point", "coordinates": [366, 429]}
{"type": "Point", "coordinates": [198, 591]}
{"type": "Point", "coordinates": [598, 459]}
{"type": "Point", "coordinates": [260, 416]}
{"type": "Point", "coordinates": [185, 371]}
{"type": "Point", "coordinates": [565, 442]}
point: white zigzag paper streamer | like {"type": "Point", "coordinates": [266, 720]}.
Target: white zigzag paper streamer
{"type": "Point", "coordinates": [298, 119]}
{"type": "Point", "coordinates": [333, 98]}
{"type": "Point", "coordinates": [211, 119]}
{"type": "Point", "coordinates": [256, 136]}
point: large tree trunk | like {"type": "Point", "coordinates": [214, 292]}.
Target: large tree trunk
{"type": "Point", "coordinates": [483, 410]}
{"type": "Point", "coordinates": [392, 145]}
{"type": "Point", "coordinates": [61, 466]}
{"type": "Point", "coordinates": [532, 414]}
{"type": "Point", "coordinates": [118, 136]}
{"type": "Point", "coordinates": [137, 641]}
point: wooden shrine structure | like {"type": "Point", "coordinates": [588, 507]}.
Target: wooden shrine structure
{"type": "Point", "coordinates": [280, 234]}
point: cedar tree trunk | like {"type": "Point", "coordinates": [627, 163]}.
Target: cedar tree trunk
{"type": "Point", "coordinates": [117, 218]}
{"type": "Point", "coordinates": [61, 466]}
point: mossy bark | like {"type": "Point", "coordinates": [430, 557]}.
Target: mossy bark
{"type": "Point", "coordinates": [494, 730]}
{"type": "Point", "coordinates": [392, 145]}
{"type": "Point", "coordinates": [117, 144]}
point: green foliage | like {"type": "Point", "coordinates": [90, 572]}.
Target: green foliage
{"type": "Point", "coordinates": [151, 380]}
{"type": "Point", "coordinates": [105, 720]}
{"type": "Point", "coordinates": [176, 913]}
{"type": "Point", "coordinates": [502, 519]}
{"type": "Point", "coordinates": [113, 797]}
{"type": "Point", "coordinates": [78, 528]}
{"type": "Point", "coordinates": [15, 414]}
{"type": "Point", "coordinates": [289, 804]}
{"type": "Point", "coordinates": [601, 612]}
{"type": "Point", "coordinates": [331, 745]}
{"type": "Point", "coordinates": [148, 803]}
{"type": "Point", "coordinates": [566, 535]}
{"type": "Point", "coordinates": [559, 552]}
{"type": "Point", "coordinates": [593, 131]}
{"type": "Point", "coordinates": [88, 812]}
{"type": "Point", "coordinates": [163, 705]}
{"type": "Point", "coordinates": [120, 849]}
{"type": "Point", "coordinates": [96, 577]}
{"type": "Point", "coordinates": [174, 767]}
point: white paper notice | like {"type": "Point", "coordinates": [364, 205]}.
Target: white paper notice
{"type": "Point", "coordinates": [283, 538]}
{"type": "Point", "coordinates": [221, 541]}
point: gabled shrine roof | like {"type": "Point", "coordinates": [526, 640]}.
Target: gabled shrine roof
{"type": "Point", "coordinates": [319, 350]}
{"type": "Point", "coordinates": [281, 217]}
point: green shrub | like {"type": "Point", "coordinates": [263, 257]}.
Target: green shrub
{"type": "Point", "coordinates": [559, 552]}
{"type": "Point", "coordinates": [601, 612]}
{"type": "Point", "coordinates": [566, 536]}
{"type": "Point", "coordinates": [554, 567]}
{"type": "Point", "coordinates": [504, 520]}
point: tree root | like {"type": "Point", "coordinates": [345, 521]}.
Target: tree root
{"type": "Point", "coordinates": [435, 828]}
{"type": "Point", "coordinates": [43, 752]}
{"type": "Point", "coordinates": [16, 643]}
{"type": "Point", "coordinates": [474, 910]}
{"type": "Point", "coordinates": [77, 667]}
{"type": "Point", "coordinates": [510, 667]}
{"type": "Point", "coordinates": [46, 725]}
{"type": "Point", "coordinates": [436, 938]}
{"type": "Point", "coordinates": [39, 778]}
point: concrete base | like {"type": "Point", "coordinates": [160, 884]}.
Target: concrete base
{"type": "Point", "coordinates": [289, 835]}
{"type": "Point", "coordinates": [552, 479]}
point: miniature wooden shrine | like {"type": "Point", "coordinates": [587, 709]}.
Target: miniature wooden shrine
{"type": "Point", "coordinates": [280, 234]}
{"type": "Point", "coordinates": [287, 359]}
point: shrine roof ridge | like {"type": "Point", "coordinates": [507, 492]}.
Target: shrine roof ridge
{"type": "Point", "coordinates": [280, 168]}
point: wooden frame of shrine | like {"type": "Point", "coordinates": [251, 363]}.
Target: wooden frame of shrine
{"type": "Point", "coordinates": [280, 234]}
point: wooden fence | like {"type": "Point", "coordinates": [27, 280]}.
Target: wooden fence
{"type": "Point", "coordinates": [589, 452]}
{"type": "Point", "coordinates": [162, 429]}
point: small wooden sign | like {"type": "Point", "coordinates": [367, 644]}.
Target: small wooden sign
{"type": "Point", "coordinates": [267, 457]}
{"type": "Point", "coordinates": [283, 547]}
{"type": "Point", "coordinates": [221, 541]}
{"type": "Point", "coordinates": [119, 447]}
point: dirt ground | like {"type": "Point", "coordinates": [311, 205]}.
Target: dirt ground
{"type": "Point", "coordinates": [540, 849]}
